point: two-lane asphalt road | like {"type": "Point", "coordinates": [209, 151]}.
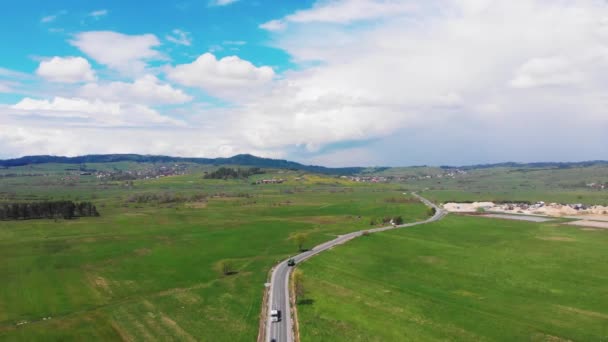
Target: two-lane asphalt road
{"type": "Point", "coordinates": [279, 284]}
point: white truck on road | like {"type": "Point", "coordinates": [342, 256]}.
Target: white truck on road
{"type": "Point", "coordinates": [275, 315]}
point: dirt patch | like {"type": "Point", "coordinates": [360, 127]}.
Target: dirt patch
{"type": "Point", "coordinates": [584, 312]}
{"type": "Point", "coordinates": [590, 217]}
{"type": "Point", "coordinates": [143, 251]}
{"type": "Point", "coordinates": [179, 331]}
{"type": "Point", "coordinates": [101, 283]}
{"type": "Point", "coordinates": [556, 238]}
{"type": "Point", "coordinates": [591, 224]}
{"type": "Point", "coordinates": [124, 336]}
{"type": "Point", "coordinates": [596, 212]}
{"type": "Point", "coordinates": [139, 326]}
{"type": "Point", "coordinates": [196, 205]}
{"type": "Point", "coordinates": [548, 338]}
{"type": "Point", "coordinates": [431, 260]}
{"type": "Point", "coordinates": [467, 207]}
{"type": "Point", "coordinates": [148, 305]}
{"type": "Point", "coordinates": [187, 298]}
{"type": "Point", "coordinates": [469, 294]}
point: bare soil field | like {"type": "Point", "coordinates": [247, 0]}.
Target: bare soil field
{"type": "Point", "coordinates": [518, 217]}
{"type": "Point", "coordinates": [590, 217]}
{"type": "Point", "coordinates": [587, 223]}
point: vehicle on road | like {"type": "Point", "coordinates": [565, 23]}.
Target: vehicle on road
{"type": "Point", "coordinates": [275, 315]}
{"type": "Point", "coordinates": [291, 262]}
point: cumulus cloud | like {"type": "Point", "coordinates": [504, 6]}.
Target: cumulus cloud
{"type": "Point", "coordinates": [179, 37]}
{"type": "Point", "coordinates": [227, 77]}
{"type": "Point", "coordinates": [342, 12]}
{"type": "Point", "coordinates": [147, 89]}
{"type": "Point", "coordinates": [97, 113]}
{"type": "Point", "coordinates": [25, 134]}
{"type": "Point", "coordinates": [66, 70]}
{"type": "Point", "coordinates": [127, 53]}
{"type": "Point", "coordinates": [444, 82]}
{"type": "Point", "coordinates": [422, 69]}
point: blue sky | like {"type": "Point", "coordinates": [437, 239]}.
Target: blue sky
{"type": "Point", "coordinates": [333, 82]}
{"type": "Point", "coordinates": [210, 26]}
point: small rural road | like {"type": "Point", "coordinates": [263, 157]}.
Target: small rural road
{"type": "Point", "coordinates": [279, 284]}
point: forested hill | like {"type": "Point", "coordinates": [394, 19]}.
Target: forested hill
{"type": "Point", "coordinates": [241, 159]}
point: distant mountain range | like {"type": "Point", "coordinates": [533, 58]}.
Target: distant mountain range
{"type": "Point", "coordinates": [253, 161]}
{"type": "Point", "coordinates": [559, 165]}
{"type": "Point", "coordinates": [241, 159]}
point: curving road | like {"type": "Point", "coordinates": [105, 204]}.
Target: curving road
{"type": "Point", "coordinates": [279, 289]}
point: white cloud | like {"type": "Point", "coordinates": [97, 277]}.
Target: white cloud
{"type": "Point", "coordinates": [274, 25]}
{"type": "Point", "coordinates": [234, 42]}
{"type": "Point", "coordinates": [226, 77]}
{"type": "Point", "coordinates": [98, 13]}
{"type": "Point", "coordinates": [50, 18]}
{"type": "Point", "coordinates": [147, 89]}
{"type": "Point", "coordinates": [66, 70]}
{"type": "Point", "coordinates": [5, 88]}
{"type": "Point", "coordinates": [420, 69]}
{"type": "Point", "coordinates": [126, 53]}
{"type": "Point", "coordinates": [554, 71]}
{"type": "Point", "coordinates": [95, 113]}
{"type": "Point", "coordinates": [25, 134]}
{"type": "Point", "coordinates": [343, 12]}
{"type": "Point", "coordinates": [180, 37]}
{"type": "Point", "coordinates": [222, 2]}
{"type": "Point", "coordinates": [446, 82]}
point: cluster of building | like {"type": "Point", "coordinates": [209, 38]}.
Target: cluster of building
{"type": "Point", "coordinates": [598, 186]}
{"type": "Point", "coordinates": [452, 173]}
{"type": "Point", "coordinates": [541, 204]}
{"type": "Point", "coordinates": [367, 179]}
{"type": "Point", "coordinates": [150, 173]}
{"type": "Point", "coordinates": [270, 181]}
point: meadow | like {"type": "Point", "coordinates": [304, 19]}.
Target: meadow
{"type": "Point", "coordinates": [548, 184]}
{"type": "Point", "coordinates": [460, 279]}
{"type": "Point", "coordinates": [150, 271]}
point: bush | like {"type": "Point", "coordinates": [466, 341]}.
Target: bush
{"type": "Point", "coordinates": [226, 267]}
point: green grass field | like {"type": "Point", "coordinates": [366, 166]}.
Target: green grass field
{"type": "Point", "coordinates": [148, 271]}
{"type": "Point", "coordinates": [460, 279]}
{"type": "Point", "coordinates": [566, 185]}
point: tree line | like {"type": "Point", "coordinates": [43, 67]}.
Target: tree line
{"type": "Point", "coordinates": [47, 210]}
{"type": "Point", "coordinates": [227, 173]}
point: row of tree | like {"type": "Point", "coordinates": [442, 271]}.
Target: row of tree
{"type": "Point", "coordinates": [46, 210]}
{"type": "Point", "coordinates": [397, 220]}
{"type": "Point", "coordinates": [227, 173]}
